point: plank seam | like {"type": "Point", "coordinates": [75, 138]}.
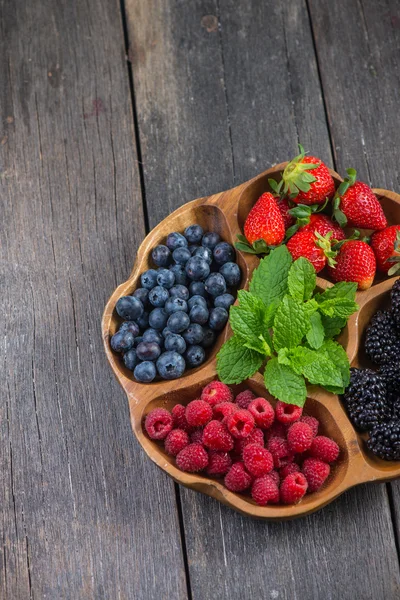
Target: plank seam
{"type": "Point", "coordinates": [183, 541]}
{"type": "Point", "coordinates": [389, 490]}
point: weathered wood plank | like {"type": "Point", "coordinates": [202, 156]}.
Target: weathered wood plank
{"type": "Point", "coordinates": [84, 514]}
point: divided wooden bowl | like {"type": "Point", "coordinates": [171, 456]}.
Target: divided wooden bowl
{"type": "Point", "coordinates": [226, 213]}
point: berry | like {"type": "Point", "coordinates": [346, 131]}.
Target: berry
{"type": "Point", "coordinates": [265, 222]}
{"type": "Point", "coordinates": [244, 398]}
{"type": "Point", "coordinates": [158, 318]}
{"type": "Point", "coordinates": [176, 440]}
{"type": "Point", "coordinates": [384, 440]}
{"type": "Point", "coordinates": [365, 399]}
{"type": "Point", "coordinates": [195, 356]}
{"type": "Point", "coordinates": [262, 412]}
{"type": "Point", "coordinates": [148, 351]}
{"type": "Point", "coordinates": [324, 449]}
{"type": "Point", "coordinates": [209, 337]}
{"type": "Point", "coordinates": [395, 300]}
{"type": "Point", "coordinates": [198, 413]}
{"type": "Point", "coordinates": [197, 288]}
{"type": "Point", "coordinates": [305, 243]}
{"type": "Point", "coordinates": [284, 208]}
{"type": "Point", "coordinates": [193, 234]}
{"type": "Point", "coordinates": [274, 475]}
{"type": "Point", "coordinates": [143, 320]}
{"type": "Point", "coordinates": [170, 365]}
{"type": "Point", "coordinates": [204, 253]}
{"type": "Point", "coordinates": [192, 458]}
{"type": "Point", "coordinates": [289, 469]}
{"type": "Point", "coordinates": [197, 268]}
{"type": "Point", "coordinates": [179, 417]}
{"type": "Point", "coordinates": [142, 294]}
{"type": "Point", "coordinates": [222, 410]}
{"type": "Point", "coordinates": [216, 392]}
{"type": "Point", "coordinates": [293, 488]}
{"type": "Point", "coordinates": [194, 333]}
{"type": "Point", "coordinates": [299, 437]}
{"type": "Point", "coordinates": [122, 341]}
{"type": "Point", "coordinates": [256, 437]}
{"type": "Point", "coordinates": [196, 437]}
{"type": "Point", "coordinates": [287, 413]}
{"type": "Point", "coordinates": [230, 271]}
{"type": "Point", "coordinates": [218, 318]}
{"type": "Point", "coordinates": [216, 436]}
{"type": "Point", "coordinates": [323, 225]}
{"type": "Point", "coordinates": [174, 304]}
{"type": "Point", "coordinates": [193, 248]}
{"type": "Point", "coordinates": [178, 321]}
{"type": "Point", "coordinates": [145, 372]}
{"type": "Point", "coordinates": [199, 314]}
{"type": "Point", "coordinates": [265, 491]}
{"type": "Point", "coordinates": [224, 301]}
{"type": "Point", "coordinates": [362, 208]}
{"type": "Point", "coordinates": [215, 284]}
{"type": "Point", "coordinates": [277, 429]}
{"type": "Point", "coordinates": [382, 342]}
{"type": "Point", "coordinates": [165, 278]}
{"type": "Point", "coordinates": [390, 373]}
{"type": "Point", "coordinates": [148, 279]}
{"type": "Point", "coordinates": [237, 479]}
{"type": "Point", "coordinates": [223, 253]}
{"type": "Point", "coordinates": [181, 256]}
{"type": "Point", "coordinates": [161, 256]}
{"type": "Point", "coordinates": [176, 240]}
{"type": "Point", "coordinates": [175, 343]}
{"type": "Point", "coordinates": [296, 178]}
{"type": "Point", "coordinates": [196, 300]}
{"type": "Point", "coordinates": [137, 341]}
{"type": "Point", "coordinates": [152, 335]}
{"type": "Point", "coordinates": [386, 246]}
{"type": "Point", "coordinates": [279, 449]}
{"type": "Point", "coordinates": [179, 291]}
{"type": "Point", "coordinates": [312, 422]}
{"type": "Point", "coordinates": [355, 262]}
{"type": "Point", "coordinates": [240, 423]}
{"type": "Point", "coordinates": [179, 274]}
{"type": "Point", "coordinates": [219, 463]}
{"type": "Point", "coordinates": [316, 472]}
{"type": "Point", "coordinates": [130, 326]}
{"type": "Point", "coordinates": [257, 460]}
{"type": "Point", "coordinates": [158, 296]}
{"type": "Point", "coordinates": [130, 359]}
{"type": "Point", "coordinates": [129, 308]}
{"type": "Point", "coordinates": [210, 240]}
{"type": "Point", "coordinates": [158, 423]}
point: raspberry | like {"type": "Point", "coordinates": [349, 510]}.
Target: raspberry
{"type": "Point", "coordinates": [244, 398]}
{"type": "Point", "coordinates": [280, 452]}
{"type": "Point", "coordinates": [257, 460]}
{"type": "Point", "coordinates": [293, 488]}
{"type": "Point", "coordinates": [193, 458]}
{"type": "Point", "coordinates": [276, 430]}
{"type": "Point", "coordinates": [198, 413]}
{"type": "Point", "coordinates": [179, 419]}
{"type": "Point", "coordinates": [216, 392]}
{"type": "Point", "coordinates": [312, 422]}
{"type": "Point", "coordinates": [289, 469]}
{"type": "Point", "coordinates": [176, 440]}
{"type": "Point", "coordinates": [324, 449]}
{"type": "Point", "coordinates": [256, 437]}
{"type": "Point", "coordinates": [237, 479]}
{"type": "Point", "coordinates": [222, 410]}
{"type": "Point", "coordinates": [158, 423]}
{"type": "Point", "coordinates": [265, 491]}
{"type": "Point", "coordinates": [299, 437]}
{"type": "Point", "coordinates": [240, 423]}
{"type": "Point", "coordinates": [287, 413]}
{"type": "Point", "coordinates": [262, 412]}
{"type": "Point", "coordinates": [275, 476]}
{"type": "Point", "coordinates": [315, 472]}
{"type": "Point", "coordinates": [196, 437]}
{"type": "Point", "coordinates": [217, 437]}
{"type": "Point", "coordinates": [219, 463]}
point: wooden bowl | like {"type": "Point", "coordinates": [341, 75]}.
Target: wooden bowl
{"type": "Point", "coordinates": [225, 213]}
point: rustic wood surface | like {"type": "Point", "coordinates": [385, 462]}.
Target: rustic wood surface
{"type": "Point", "coordinates": [94, 146]}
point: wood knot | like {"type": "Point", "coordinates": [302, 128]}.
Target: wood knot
{"type": "Point", "coordinates": [210, 23]}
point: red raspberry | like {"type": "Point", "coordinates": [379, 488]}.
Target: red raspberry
{"type": "Point", "coordinates": [258, 461]}
{"type": "Point", "coordinates": [158, 423]}
{"type": "Point", "coordinates": [315, 472]}
{"type": "Point", "coordinates": [198, 413]}
{"type": "Point", "coordinates": [276, 430]}
{"type": "Point", "coordinates": [287, 413]}
{"type": "Point", "coordinates": [179, 419]}
{"type": "Point", "coordinates": [219, 463]}
{"type": "Point", "coordinates": [193, 458]}
{"type": "Point", "coordinates": [222, 410]}
{"type": "Point", "coordinates": [280, 452]}
{"type": "Point", "coordinates": [240, 423]}
{"type": "Point", "coordinates": [196, 437]}
{"type": "Point", "coordinates": [324, 449]}
{"type": "Point", "coordinates": [293, 488]}
{"type": "Point", "coordinates": [244, 398]}
{"type": "Point", "coordinates": [256, 437]}
{"type": "Point", "coordinates": [289, 469]}
{"type": "Point", "coordinates": [299, 437]}
{"type": "Point", "coordinates": [265, 491]}
{"type": "Point", "coordinates": [275, 476]}
{"type": "Point", "coordinates": [176, 440]}
{"type": "Point", "coordinates": [262, 412]}
{"type": "Point", "coordinates": [237, 479]}
{"type": "Point", "coordinates": [312, 422]}
{"type": "Point", "coordinates": [216, 392]}
{"type": "Point", "coordinates": [217, 437]}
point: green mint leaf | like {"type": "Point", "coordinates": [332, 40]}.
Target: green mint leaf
{"type": "Point", "coordinates": [301, 357]}
{"type": "Point", "coordinates": [290, 324]}
{"type": "Point", "coordinates": [338, 307]}
{"type": "Point", "coordinates": [321, 370]}
{"type": "Point", "coordinates": [316, 335]}
{"type": "Point", "coordinates": [337, 355]}
{"type": "Point", "coordinates": [302, 279]}
{"type": "Point", "coordinates": [332, 325]}
{"type": "Point", "coordinates": [343, 289]}
{"type": "Point", "coordinates": [250, 321]}
{"type": "Point", "coordinates": [235, 362]}
{"type": "Point", "coordinates": [283, 383]}
{"type": "Point", "coordinates": [335, 390]}
{"type": "Point", "coordinates": [310, 307]}
{"type": "Point", "coordinates": [283, 356]}
{"type": "Point", "coordinates": [269, 280]}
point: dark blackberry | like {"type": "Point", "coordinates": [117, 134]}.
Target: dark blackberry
{"type": "Point", "coordinates": [365, 399]}
{"type": "Point", "coordinates": [391, 375]}
{"type": "Point", "coordinates": [384, 440]}
{"type": "Point", "coordinates": [395, 298]}
{"type": "Point", "coordinates": [382, 342]}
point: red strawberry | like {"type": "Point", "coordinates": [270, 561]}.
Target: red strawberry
{"type": "Point", "coordinates": [386, 245]}
{"type": "Point", "coordinates": [355, 262]}
{"type": "Point", "coordinates": [311, 246]}
{"type": "Point", "coordinates": [284, 207]}
{"type": "Point", "coordinates": [265, 222]}
{"type": "Point", "coordinates": [308, 180]}
{"type": "Point", "coordinates": [356, 205]}
{"type": "Point", "coordinates": [324, 225]}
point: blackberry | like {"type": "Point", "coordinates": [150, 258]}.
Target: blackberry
{"type": "Point", "coordinates": [382, 342]}
{"type": "Point", "coordinates": [384, 440]}
{"type": "Point", "coordinates": [365, 399]}
{"type": "Point", "coordinates": [395, 298]}
{"type": "Point", "coordinates": [391, 375]}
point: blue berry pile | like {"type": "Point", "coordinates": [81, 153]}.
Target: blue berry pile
{"type": "Point", "coordinates": [171, 321]}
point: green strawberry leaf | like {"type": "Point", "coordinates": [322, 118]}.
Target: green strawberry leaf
{"type": "Point", "coordinates": [235, 362]}
{"type": "Point", "coordinates": [269, 280]}
{"type": "Point", "coordinates": [283, 383]}
{"type": "Point", "coordinates": [316, 335]}
{"type": "Point", "coordinates": [290, 324]}
{"type": "Point", "coordinates": [302, 279]}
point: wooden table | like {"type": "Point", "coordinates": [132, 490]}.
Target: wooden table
{"type": "Point", "coordinates": [111, 117]}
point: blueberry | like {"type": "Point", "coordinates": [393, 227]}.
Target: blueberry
{"type": "Point", "coordinates": [215, 284]}
{"type": "Point", "coordinates": [199, 314]}
{"type": "Point", "coordinates": [130, 359]}
{"type": "Point", "coordinates": [218, 318]}
{"type": "Point", "coordinates": [194, 334]}
{"type": "Point", "coordinates": [178, 321]}
{"type": "Point", "coordinates": [130, 326]}
{"type": "Point", "coordinates": [142, 294]}
{"type": "Point", "coordinates": [171, 365]}
{"type": "Point", "coordinates": [145, 372]}
{"type": "Point", "coordinates": [158, 318]}
{"type": "Point", "coordinates": [204, 253]}
{"type": "Point", "coordinates": [149, 279]}
{"type": "Point", "coordinates": [223, 253]}
{"type": "Point", "coordinates": [195, 356]}
{"type": "Point", "coordinates": [231, 273]}
{"type": "Point", "coordinates": [122, 341]}
{"type": "Point", "coordinates": [193, 234]}
{"type": "Point", "coordinates": [209, 337]}
{"type": "Point", "coordinates": [158, 296]}
{"type": "Point", "coordinates": [165, 332]}
{"type": "Point", "coordinates": [210, 240]}
{"type": "Point", "coordinates": [176, 240]}
{"type": "Point", "coordinates": [193, 248]}
{"type": "Point", "coordinates": [180, 274]}
{"type": "Point", "coordinates": [197, 268]}
{"type": "Point", "coordinates": [148, 351]}
{"type": "Point", "coordinates": [175, 342]}
{"type": "Point", "coordinates": [161, 256]}
{"type": "Point", "coordinates": [196, 288]}
{"type": "Point", "coordinates": [165, 278]}
{"type": "Point", "coordinates": [138, 339]}
{"type": "Point", "coordinates": [174, 304]}
{"type": "Point", "coordinates": [225, 301]}
{"type": "Point", "coordinates": [196, 300]}
{"type": "Point", "coordinates": [179, 291]}
{"type": "Point", "coordinates": [181, 256]}
{"type": "Point", "coordinates": [129, 308]}
{"type": "Point", "coordinates": [143, 320]}
{"type": "Point", "coordinates": [152, 335]}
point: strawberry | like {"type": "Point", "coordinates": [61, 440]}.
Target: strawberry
{"type": "Point", "coordinates": [313, 246]}
{"type": "Point", "coordinates": [355, 262]}
{"type": "Point", "coordinates": [324, 225]}
{"type": "Point", "coordinates": [307, 180]}
{"type": "Point", "coordinates": [264, 226]}
{"type": "Point", "coordinates": [284, 207]}
{"type": "Point", "coordinates": [356, 205]}
{"type": "Point", "coordinates": [386, 246]}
